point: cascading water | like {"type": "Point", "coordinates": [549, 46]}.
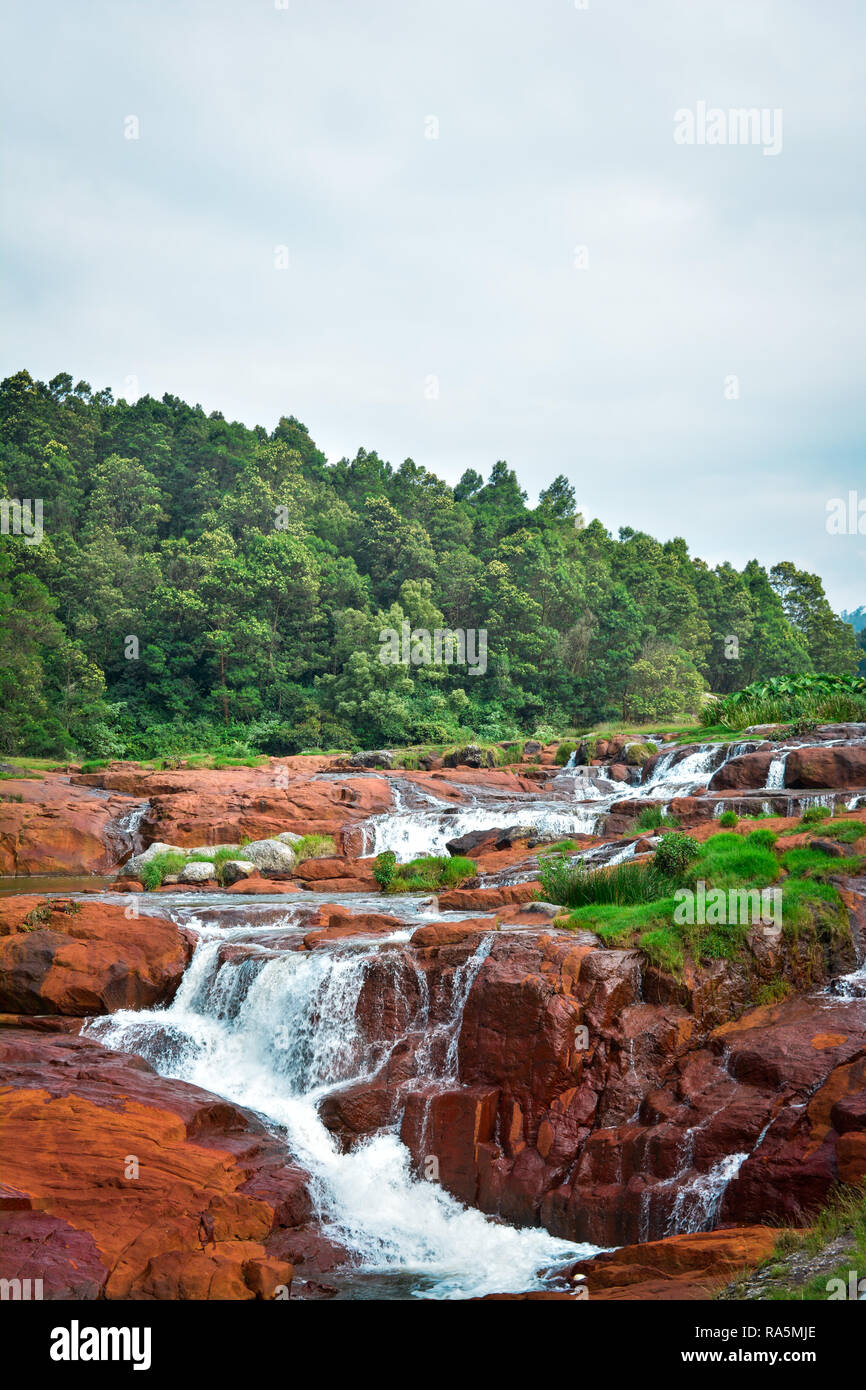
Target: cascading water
{"type": "Point", "coordinates": [411, 832]}
{"type": "Point", "coordinates": [776, 774]}
{"type": "Point", "coordinates": [276, 1033]}
{"type": "Point", "coordinates": [697, 1203]}
{"type": "Point", "coordinates": [575, 801]}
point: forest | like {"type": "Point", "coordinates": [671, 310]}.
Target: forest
{"type": "Point", "coordinates": [199, 584]}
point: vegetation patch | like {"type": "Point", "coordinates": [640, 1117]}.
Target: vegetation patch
{"type": "Point", "coordinates": [428, 874]}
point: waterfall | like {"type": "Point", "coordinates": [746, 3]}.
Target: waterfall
{"type": "Point", "coordinates": [697, 1203]}
{"type": "Point", "coordinates": [122, 831]}
{"type": "Point", "coordinates": [413, 832]}
{"type": "Point", "coordinates": [276, 1034]}
{"type": "Point", "coordinates": [776, 773]}
{"type": "Point", "coordinates": [693, 770]}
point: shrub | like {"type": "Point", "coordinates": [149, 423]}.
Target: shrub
{"type": "Point", "coordinates": [729, 819]}
{"type": "Point", "coordinates": [384, 869]}
{"type": "Point", "coordinates": [564, 752]}
{"type": "Point", "coordinates": [812, 814]}
{"type": "Point", "coordinates": [675, 853]}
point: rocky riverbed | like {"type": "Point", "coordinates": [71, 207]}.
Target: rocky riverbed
{"type": "Point", "coordinates": [298, 1085]}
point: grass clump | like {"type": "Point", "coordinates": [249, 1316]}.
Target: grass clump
{"type": "Point", "coordinates": [563, 753]}
{"type": "Point", "coordinates": [576, 884]}
{"type": "Point", "coordinates": [314, 847]}
{"type": "Point", "coordinates": [847, 832]}
{"type": "Point", "coordinates": [160, 867]}
{"type": "Point", "coordinates": [655, 818]}
{"type": "Point", "coordinates": [728, 819]}
{"type": "Point", "coordinates": [424, 875]}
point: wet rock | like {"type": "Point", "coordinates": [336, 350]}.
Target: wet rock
{"type": "Point", "coordinates": [503, 837]}
{"type": "Point", "coordinates": [748, 772]}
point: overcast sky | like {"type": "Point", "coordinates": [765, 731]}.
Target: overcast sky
{"type": "Point", "coordinates": [148, 264]}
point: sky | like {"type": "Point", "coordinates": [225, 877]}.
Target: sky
{"type": "Point", "coordinates": [464, 231]}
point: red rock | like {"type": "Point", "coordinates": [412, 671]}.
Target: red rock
{"type": "Point", "coordinates": [841, 766]}
{"type": "Point", "coordinates": [58, 828]}
{"type": "Point", "coordinates": [257, 884]}
{"type": "Point", "coordinates": [435, 934]}
{"type": "Point", "coordinates": [214, 1189]}
{"type": "Point", "coordinates": [92, 960]}
{"type": "Point", "coordinates": [486, 899]}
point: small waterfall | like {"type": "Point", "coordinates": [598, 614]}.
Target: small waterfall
{"type": "Point", "coordinates": [572, 759]}
{"type": "Point", "coordinates": [413, 832]}
{"type": "Point", "coordinates": [276, 1033]}
{"type": "Point", "coordinates": [776, 773]}
{"type": "Point", "coordinates": [676, 778]}
{"type": "Point", "coordinates": [696, 1205]}
{"type": "Point", "coordinates": [122, 832]}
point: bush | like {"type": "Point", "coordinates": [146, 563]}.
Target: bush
{"type": "Point", "coordinates": [675, 854]}
{"type": "Point", "coordinates": [812, 814]}
{"type": "Point", "coordinates": [384, 869]}
{"type": "Point", "coordinates": [729, 819]}
{"type": "Point", "coordinates": [563, 753]}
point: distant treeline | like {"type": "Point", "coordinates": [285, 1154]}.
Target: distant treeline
{"type": "Point", "coordinates": [199, 584]}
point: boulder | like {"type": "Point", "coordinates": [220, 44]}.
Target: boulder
{"type": "Point", "coordinates": [746, 773]}
{"type": "Point", "coordinates": [64, 957]}
{"type": "Point", "coordinates": [288, 837]}
{"type": "Point", "coordinates": [198, 872]}
{"type": "Point", "coordinates": [840, 766]}
{"type": "Point", "coordinates": [380, 757]}
{"type": "Point", "coordinates": [133, 867]}
{"type": "Point", "coordinates": [235, 869]}
{"type": "Point", "coordinates": [471, 756]}
{"type": "Point", "coordinates": [270, 856]}
{"type": "Point", "coordinates": [502, 837]}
